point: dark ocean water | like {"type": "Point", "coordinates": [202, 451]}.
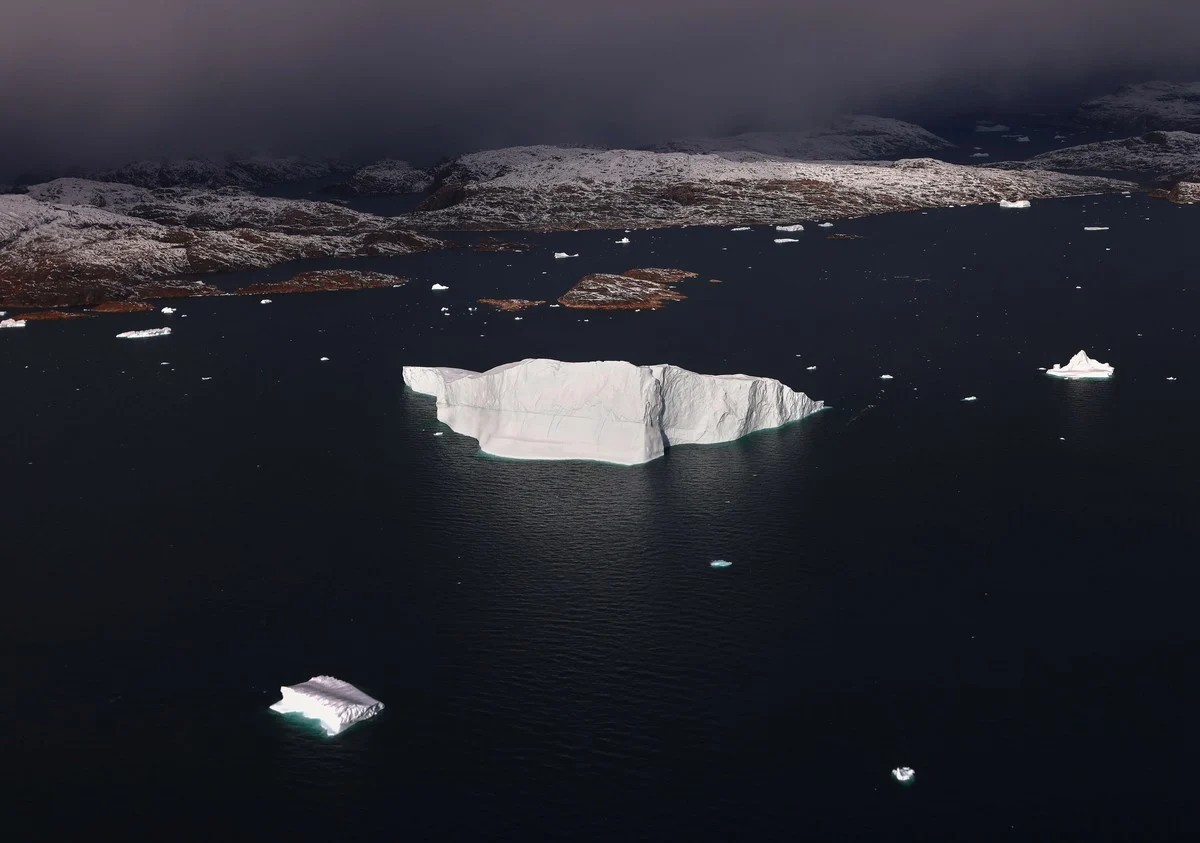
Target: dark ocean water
{"type": "Point", "coordinates": [1000, 594]}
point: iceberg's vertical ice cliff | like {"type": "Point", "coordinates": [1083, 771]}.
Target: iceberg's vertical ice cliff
{"type": "Point", "coordinates": [609, 411]}
{"type": "Point", "coordinates": [335, 703]}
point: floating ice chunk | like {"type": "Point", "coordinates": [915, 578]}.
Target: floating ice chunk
{"type": "Point", "coordinates": [1019, 203]}
{"type": "Point", "coordinates": [206, 379]}
{"type": "Point", "coordinates": [969, 398]}
{"type": "Point", "coordinates": [560, 255]}
{"type": "Point", "coordinates": [786, 240]}
{"type": "Point", "coordinates": [324, 359]}
{"type": "Point", "coordinates": [1081, 367]}
{"type": "Point", "coordinates": [903, 774]}
{"type": "Point", "coordinates": [12, 323]}
{"type": "Point", "coordinates": [824, 225]}
{"type": "Point", "coordinates": [3, 313]}
{"type": "Point", "coordinates": [445, 309]}
{"type": "Point", "coordinates": [719, 563]}
{"type": "Point", "coordinates": [609, 411]}
{"type": "Point", "coordinates": [518, 318]}
{"type": "Point", "coordinates": [440, 433]}
{"type": "Point", "coordinates": [556, 305]}
{"type": "Point", "coordinates": [439, 287]}
{"type": "Point", "coordinates": [991, 127]}
{"type": "Point", "coordinates": [1172, 379]}
{"type": "Point", "coordinates": [1023, 139]}
{"type": "Point", "coordinates": [623, 240]}
{"type": "Point", "coordinates": [980, 155]}
{"type": "Point", "coordinates": [146, 334]}
{"type": "Point", "coordinates": [265, 301]}
{"type": "Point", "coordinates": [811, 369]}
{"type": "Point", "coordinates": [1095, 228]}
{"type": "Point", "coordinates": [885, 377]}
{"type": "Point", "coordinates": [741, 228]}
{"type": "Point", "coordinates": [168, 310]}
{"type": "Point", "coordinates": [336, 704]}
{"type": "Point", "coordinates": [796, 227]}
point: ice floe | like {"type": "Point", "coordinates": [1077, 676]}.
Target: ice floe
{"type": "Point", "coordinates": [623, 240]}
{"type": "Point", "coordinates": [168, 310]}
{"type": "Point", "coordinates": [144, 334]}
{"type": "Point", "coordinates": [333, 702]}
{"type": "Point", "coordinates": [719, 563]}
{"type": "Point", "coordinates": [610, 411]}
{"type": "Point", "coordinates": [1081, 367]}
{"type": "Point", "coordinates": [1095, 228]}
{"type": "Point", "coordinates": [741, 228]}
{"type": "Point", "coordinates": [786, 240]}
{"type": "Point", "coordinates": [12, 323]}
{"type": "Point", "coordinates": [560, 255]}
{"type": "Point", "coordinates": [903, 774]}
{"type": "Point", "coordinates": [265, 301]}
{"type": "Point", "coordinates": [970, 398]}
{"type": "Point", "coordinates": [789, 227]}
{"type": "Point", "coordinates": [439, 287]}
{"type": "Point", "coordinates": [1018, 203]}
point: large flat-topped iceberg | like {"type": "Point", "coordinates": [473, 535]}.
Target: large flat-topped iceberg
{"type": "Point", "coordinates": [609, 411]}
{"type": "Point", "coordinates": [335, 703]}
{"type": "Point", "coordinates": [1081, 366]}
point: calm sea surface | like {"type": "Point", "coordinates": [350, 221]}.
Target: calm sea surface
{"type": "Point", "coordinates": [1000, 594]}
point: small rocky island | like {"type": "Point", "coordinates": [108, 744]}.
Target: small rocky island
{"type": "Point", "coordinates": [609, 411]}
{"type": "Point", "coordinates": [634, 289]}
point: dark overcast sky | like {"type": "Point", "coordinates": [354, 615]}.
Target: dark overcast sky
{"type": "Point", "coordinates": [96, 81]}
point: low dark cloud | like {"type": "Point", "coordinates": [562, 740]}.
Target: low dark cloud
{"type": "Point", "coordinates": [91, 82]}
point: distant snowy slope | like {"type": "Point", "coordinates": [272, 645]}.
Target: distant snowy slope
{"type": "Point", "coordinates": [1155, 156]}
{"type": "Point", "coordinates": [250, 172]}
{"type": "Point", "coordinates": [545, 187]}
{"type": "Point", "coordinates": [850, 138]}
{"type": "Point", "coordinates": [388, 176]}
{"type": "Point", "coordinates": [1146, 106]}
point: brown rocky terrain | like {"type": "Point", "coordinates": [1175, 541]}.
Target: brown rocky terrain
{"type": "Point", "coordinates": [324, 281]}
{"type": "Point", "coordinates": [511, 305]}
{"type": "Point", "coordinates": [635, 289]}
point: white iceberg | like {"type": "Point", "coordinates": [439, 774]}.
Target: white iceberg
{"type": "Point", "coordinates": [885, 377]}
{"type": "Point", "coordinates": [786, 240]}
{"type": "Point", "coordinates": [789, 228]}
{"type": "Point", "coordinates": [144, 334]}
{"type": "Point", "coordinates": [719, 563]}
{"type": "Point", "coordinates": [903, 774]}
{"type": "Point", "coordinates": [824, 225]}
{"type": "Point", "coordinates": [12, 323]}
{"type": "Point", "coordinates": [265, 301]}
{"type": "Point", "coordinates": [1019, 203]}
{"type": "Point", "coordinates": [991, 127]}
{"type": "Point", "coordinates": [1081, 367]}
{"type": "Point", "coordinates": [335, 703]}
{"type": "Point", "coordinates": [565, 255]}
{"type": "Point", "coordinates": [741, 228]}
{"type": "Point", "coordinates": [439, 287]}
{"type": "Point", "coordinates": [1023, 139]}
{"type": "Point", "coordinates": [623, 240]}
{"type": "Point", "coordinates": [168, 310]}
{"type": "Point", "coordinates": [970, 398]}
{"type": "Point", "coordinates": [609, 411]}
{"type": "Point", "coordinates": [980, 155]}
{"type": "Point", "coordinates": [1095, 228]}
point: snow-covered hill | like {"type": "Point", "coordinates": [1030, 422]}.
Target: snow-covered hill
{"type": "Point", "coordinates": [851, 138]}
{"type": "Point", "coordinates": [547, 187]}
{"type": "Point", "coordinates": [250, 172]}
{"type": "Point", "coordinates": [388, 176]}
{"type": "Point", "coordinates": [68, 250]}
{"type": "Point", "coordinates": [1146, 106]}
{"type": "Point", "coordinates": [1153, 157]}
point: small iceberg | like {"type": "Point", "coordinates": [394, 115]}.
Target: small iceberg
{"type": "Point", "coordinates": [623, 240]}
{"type": "Point", "coordinates": [886, 377]}
{"type": "Point", "coordinates": [146, 334]}
{"type": "Point", "coordinates": [560, 255]}
{"type": "Point", "coordinates": [1081, 367]}
{"type": "Point", "coordinates": [1019, 203]}
{"type": "Point", "coordinates": [1095, 228]}
{"type": "Point", "coordinates": [719, 563]}
{"type": "Point", "coordinates": [439, 287]}
{"type": "Point", "coordinates": [811, 369]}
{"type": "Point", "coordinates": [265, 301]}
{"type": "Point", "coordinates": [168, 310]}
{"type": "Point", "coordinates": [970, 398]}
{"type": "Point", "coordinates": [991, 127]}
{"type": "Point", "coordinates": [904, 774]}
{"type": "Point", "coordinates": [1023, 139]}
{"type": "Point", "coordinates": [824, 225]}
{"type": "Point", "coordinates": [12, 323]}
{"type": "Point", "coordinates": [980, 155]}
{"type": "Point", "coordinates": [741, 228]}
{"type": "Point", "coordinates": [324, 359]}
{"type": "Point", "coordinates": [336, 704]}
{"type": "Point", "coordinates": [786, 240]}
{"type": "Point", "coordinates": [789, 228]}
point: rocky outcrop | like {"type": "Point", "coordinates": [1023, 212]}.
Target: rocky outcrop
{"type": "Point", "coordinates": [556, 188]}
{"type": "Point", "coordinates": [634, 289]}
{"type": "Point", "coordinates": [323, 281]}
{"type": "Point", "coordinates": [250, 172]}
{"type": "Point", "coordinates": [511, 305]}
